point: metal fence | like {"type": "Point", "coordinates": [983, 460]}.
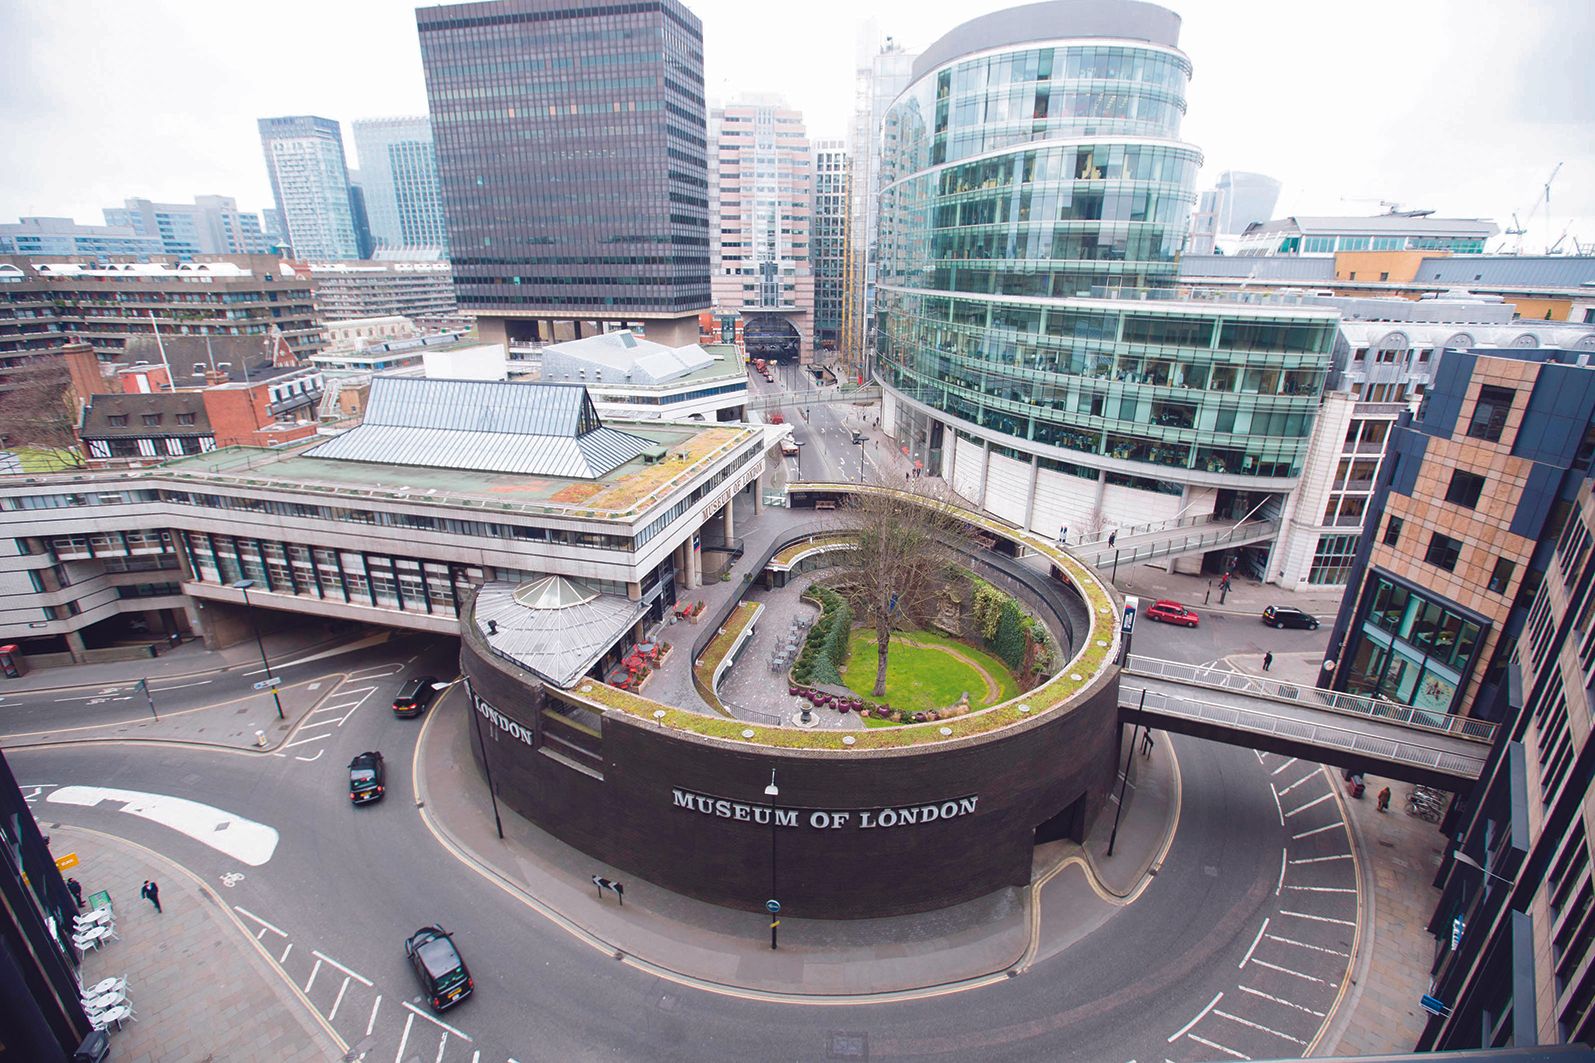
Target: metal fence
{"type": "Point", "coordinates": [1240, 534]}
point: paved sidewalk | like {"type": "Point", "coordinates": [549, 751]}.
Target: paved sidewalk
{"type": "Point", "coordinates": [1151, 797]}
{"type": "Point", "coordinates": [978, 939]}
{"type": "Point", "coordinates": [200, 986]}
{"type": "Point", "coordinates": [1246, 597]}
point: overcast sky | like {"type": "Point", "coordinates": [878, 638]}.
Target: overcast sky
{"type": "Point", "coordinates": [1463, 106]}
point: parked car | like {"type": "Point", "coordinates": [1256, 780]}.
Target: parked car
{"type": "Point", "coordinates": [415, 695]}
{"type": "Point", "coordinates": [444, 977]}
{"type": "Point", "coordinates": [366, 776]}
{"type": "Point", "coordinates": [1285, 616]}
{"type": "Point", "coordinates": [1170, 612]}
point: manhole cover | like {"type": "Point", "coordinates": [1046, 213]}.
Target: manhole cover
{"type": "Point", "coordinates": [845, 1044]}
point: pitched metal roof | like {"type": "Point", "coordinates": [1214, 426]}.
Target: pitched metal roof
{"type": "Point", "coordinates": [1527, 271]}
{"type": "Point", "coordinates": [1262, 267]}
{"type": "Point", "coordinates": [1397, 224]}
{"type": "Point", "coordinates": [487, 426]}
{"type": "Point", "coordinates": [558, 641]}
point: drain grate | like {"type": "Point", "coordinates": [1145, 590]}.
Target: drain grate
{"type": "Point", "coordinates": [846, 1044]}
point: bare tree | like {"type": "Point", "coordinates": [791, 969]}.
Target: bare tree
{"type": "Point", "coordinates": [904, 547]}
{"type": "Point", "coordinates": [37, 409]}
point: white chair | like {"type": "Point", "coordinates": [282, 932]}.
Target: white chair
{"type": "Point", "coordinates": [118, 1014]}
{"type": "Point", "coordinates": [103, 1002]}
{"type": "Point", "coordinates": [89, 939]}
{"type": "Point", "coordinates": [106, 985]}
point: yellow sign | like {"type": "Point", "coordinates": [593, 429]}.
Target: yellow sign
{"type": "Point", "coordinates": [64, 862]}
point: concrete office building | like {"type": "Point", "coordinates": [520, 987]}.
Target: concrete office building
{"type": "Point", "coordinates": [633, 378]}
{"type": "Point", "coordinates": [1407, 231]}
{"type": "Point", "coordinates": [1474, 493]}
{"type": "Point", "coordinates": [884, 69]}
{"type": "Point", "coordinates": [582, 193]}
{"type": "Point", "coordinates": [211, 225]}
{"type": "Point", "coordinates": [398, 170]}
{"type": "Point", "coordinates": [761, 199]}
{"type": "Point", "coordinates": [1032, 349]}
{"type": "Point", "coordinates": [63, 236]}
{"type": "Point", "coordinates": [1237, 201]}
{"type": "Point", "coordinates": [420, 291]}
{"type": "Point", "coordinates": [1514, 936]}
{"type": "Point", "coordinates": [828, 240]}
{"type": "Point", "coordinates": [310, 183]}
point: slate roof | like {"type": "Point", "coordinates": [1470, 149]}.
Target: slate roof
{"type": "Point", "coordinates": [101, 408]}
{"type": "Point", "coordinates": [486, 426]}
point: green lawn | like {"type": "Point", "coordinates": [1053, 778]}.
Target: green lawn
{"type": "Point", "coordinates": [925, 677]}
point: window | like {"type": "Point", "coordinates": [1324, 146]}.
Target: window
{"type": "Point", "coordinates": [185, 418]}
{"type": "Point", "coordinates": [1489, 413]}
{"type": "Point", "coordinates": [1465, 488]}
{"type": "Point", "coordinates": [1443, 552]}
{"type": "Point", "coordinates": [117, 420]}
{"type": "Point", "coordinates": [152, 419]}
{"type": "Point", "coordinates": [1501, 578]}
{"type": "Point", "coordinates": [1393, 530]}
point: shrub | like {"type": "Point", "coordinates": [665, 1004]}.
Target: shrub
{"type": "Point", "coordinates": [1010, 638]}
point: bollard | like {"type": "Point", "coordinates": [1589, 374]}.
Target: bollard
{"type": "Point", "coordinates": [260, 739]}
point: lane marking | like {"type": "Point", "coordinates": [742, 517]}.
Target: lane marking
{"type": "Point", "coordinates": [307, 760]}
{"type": "Point", "coordinates": [181, 686]}
{"type": "Point", "coordinates": [1219, 1047]}
{"type": "Point", "coordinates": [1315, 830]}
{"type": "Point", "coordinates": [1277, 806]}
{"type": "Point", "coordinates": [313, 972]}
{"type": "Point", "coordinates": [1319, 918]}
{"type": "Point", "coordinates": [1309, 804]}
{"type": "Point", "coordinates": [1283, 853]}
{"type": "Point", "coordinates": [356, 975]}
{"type": "Point", "coordinates": [260, 933]}
{"type": "Point", "coordinates": [1304, 945]}
{"type": "Point", "coordinates": [1322, 889]}
{"type": "Point", "coordinates": [1211, 1004]}
{"type": "Point", "coordinates": [1279, 1000]}
{"type": "Point", "coordinates": [307, 741]}
{"type": "Point", "coordinates": [371, 1023]}
{"type": "Point", "coordinates": [409, 1020]}
{"type": "Point", "coordinates": [1259, 1026]}
{"type": "Point", "coordinates": [333, 1014]}
{"type": "Point", "coordinates": [441, 1046]}
{"type": "Point", "coordinates": [1298, 782]}
{"type": "Point", "coordinates": [251, 915]}
{"type": "Point", "coordinates": [345, 718]}
{"type": "Point", "coordinates": [1283, 766]}
{"type": "Point", "coordinates": [1253, 949]}
{"type": "Point", "coordinates": [1321, 859]}
{"type": "Point", "coordinates": [284, 957]}
{"type": "Point", "coordinates": [1259, 756]}
{"type": "Point", "coordinates": [438, 1022]}
{"type": "Point", "coordinates": [1287, 970]}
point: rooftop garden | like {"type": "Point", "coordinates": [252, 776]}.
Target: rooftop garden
{"type": "Point", "coordinates": [704, 668]}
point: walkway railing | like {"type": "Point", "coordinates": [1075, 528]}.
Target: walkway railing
{"type": "Point", "coordinates": [1125, 531]}
{"type": "Point", "coordinates": [1179, 542]}
{"type": "Point", "coordinates": [1312, 698]}
{"type": "Point", "coordinates": [833, 393]}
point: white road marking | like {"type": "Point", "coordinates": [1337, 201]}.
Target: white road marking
{"type": "Point", "coordinates": [260, 933]}
{"type": "Point", "coordinates": [182, 686]}
{"type": "Point", "coordinates": [307, 741]}
{"type": "Point", "coordinates": [307, 760]}
{"type": "Point", "coordinates": [284, 957]}
{"type": "Point", "coordinates": [1221, 1048]}
{"type": "Point", "coordinates": [1278, 1000]}
{"type": "Point", "coordinates": [1315, 830]}
{"type": "Point", "coordinates": [1298, 782]}
{"type": "Point", "coordinates": [438, 1022]}
{"type": "Point", "coordinates": [314, 686]}
{"type": "Point", "coordinates": [1287, 970]}
{"type": "Point", "coordinates": [348, 647]}
{"type": "Point", "coordinates": [1323, 889]}
{"type": "Point", "coordinates": [441, 1046]}
{"type": "Point", "coordinates": [406, 1038]}
{"type": "Point", "coordinates": [1309, 804]}
{"type": "Point", "coordinates": [363, 677]}
{"type": "Point", "coordinates": [1277, 806]}
{"type": "Point", "coordinates": [313, 972]}
{"type": "Point", "coordinates": [1304, 945]}
{"type": "Point", "coordinates": [1321, 859]}
{"type": "Point", "coordinates": [1255, 940]}
{"type": "Point", "coordinates": [251, 915]}
{"type": "Point", "coordinates": [1183, 1030]}
{"type": "Point", "coordinates": [333, 1014]}
{"type": "Point", "coordinates": [90, 697]}
{"type": "Point", "coordinates": [242, 839]}
{"type": "Point", "coordinates": [345, 718]}
{"type": "Point", "coordinates": [371, 1023]}
{"type": "Point", "coordinates": [1283, 766]}
{"type": "Point", "coordinates": [1318, 918]}
{"type": "Point", "coordinates": [1259, 1026]}
{"type": "Point", "coordinates": [356, 975]}
{"type": "Point", "coordinates": [1259, 756]}
{"type": "Point", "coordinates": [475, 1056]}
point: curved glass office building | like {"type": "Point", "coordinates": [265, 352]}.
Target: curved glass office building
{"type": "Point", "coordinates": [1036, 196]}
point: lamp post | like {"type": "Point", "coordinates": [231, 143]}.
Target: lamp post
{"type": "Point", "coordinates": [487, 769]}
{"type": "Point", "coordinates": [243, 586]}
{"type": "Point", "coordinates": [1463, 858]}
{"type": "Point", "coordinates": [772, 792]}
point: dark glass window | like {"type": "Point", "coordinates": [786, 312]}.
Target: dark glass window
{"type": "Point", "coordinates": [1443, 552]}
{"type": "Point", "coordinates": [152, 419]}
{"type": "Point", "coordinates": [117, 420]}
{"type": "Point", "coordinates": [1465, 488]}
{"type": "Point", "coordinates": [1392, 531]}
{"type": "Point", "coordinates": [1489, 414]}
{"type": "Point", "coordinates": [1501, 578]}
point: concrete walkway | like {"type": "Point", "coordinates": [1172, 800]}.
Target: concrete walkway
{"type": "Point", "coordinates": [201, 987]}
{"type": "Point", "coordinates": [1246, 596]}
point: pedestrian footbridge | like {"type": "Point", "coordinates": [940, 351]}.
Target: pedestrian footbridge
{"type": "Point", "coordinates": [1349, 731]}
{"type": "Point", "coordinates": [1173, 538]}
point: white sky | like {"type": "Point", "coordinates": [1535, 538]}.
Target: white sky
{"type": "Point", "coordinates": [1464, 106]}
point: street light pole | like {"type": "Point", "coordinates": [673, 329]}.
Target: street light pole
{"type": "Point", "coordinates": [1134, 732]}
{"type": "Point", "coordinates": [775, 921]}
{"type": "Point", "coordinates": [243, 586]}
{"type": "Point", "coordinates": [487, 769]}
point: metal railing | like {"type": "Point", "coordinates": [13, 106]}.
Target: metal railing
{"type": "Point", "coordinates": [1125, 531]}
{"type": "Point", "coordinates": [1316, 734]}
{"type": "Point", "coordinates": [1249, 532]}
{"type": "Point", "coordinates": [829, 393]}
{"type": "Point", "coordinates": [1312, 697]}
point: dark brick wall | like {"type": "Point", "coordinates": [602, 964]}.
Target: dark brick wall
{"type": "Point", "coordinates": [1023, 776]}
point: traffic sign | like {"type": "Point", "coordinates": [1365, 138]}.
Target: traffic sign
{"type": "Point", "coordinates": [64, 862]}
{"type": "Point", "coordinates": [274, 681]}
{"type": "Point", "coordinates": [1131, 604]}
{"type": "Point", "coordinates": [773, 904]}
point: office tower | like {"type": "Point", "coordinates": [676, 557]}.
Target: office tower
{"type": "Point", "coordinates": [357, 214]}
{"type": "Point", "coordinates": [1237, 201]}
{"type": "Point", "coordinates": [573, 194]}
{"type": "Point", "coordinates": [828, 240]}
{"type": "Point", "coordinates": [310, 182]}
{"type": "Point", "coordinates": [398, 171]}
{"type": "Point", "coordinates": [63, 236]}
{"type": "Point", "coordinates": [761, 200]}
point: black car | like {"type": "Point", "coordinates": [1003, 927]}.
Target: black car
{"type": "Point", "coordinates": [365, 778]}
{"type": "Point", "coordinates": [438, 965]}
{"type": "Point", "coordinates": [1284, 616]}
{"type": "Point", "coordinates": [415, 695]}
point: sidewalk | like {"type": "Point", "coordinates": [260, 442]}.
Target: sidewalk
{"type": "Point", "coordinates": [1246, 597]}
{"type": "Point", "coordinates": [200, 986]}
{"type": "Point", "coordinates": [818, 957]}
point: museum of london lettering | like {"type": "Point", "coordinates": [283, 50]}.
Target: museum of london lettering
{"type": "Point", "coordinates": [825, 818]}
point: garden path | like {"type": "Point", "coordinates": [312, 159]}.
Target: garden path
{"type": "Point", "coordinates": [993, 688]}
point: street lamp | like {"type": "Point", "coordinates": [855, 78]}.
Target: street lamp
{"type": "Point", "coordinates": [772, 792]}
{"type": "Point", "coordinates": [487, 769]}
{"type": "Point", "coordinates": [243, 586]}
{"type": "Point", "coordinates": [1463, 858]}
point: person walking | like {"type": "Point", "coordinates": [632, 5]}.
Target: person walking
{"type": "Point", "coordinates": [1146, 743]}
{"type": "Point", "coordinates": [74, 887]}
{"type": "Point", "coordinates": [152, 892]}
{"type": "Point", "coordinates": [1113, 537]}
{"type": "Point", "coordinates": [1063, 535]}
{"type": "Point", "coordinates": [1268, 660]}
{"type": "Point", "coordinates": [1384, 799]}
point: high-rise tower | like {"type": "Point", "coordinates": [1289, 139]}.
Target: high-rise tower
{"type": "Point", "coordinates": [399, 172]}
{"type": "Point", "coordinates": [310, 182]}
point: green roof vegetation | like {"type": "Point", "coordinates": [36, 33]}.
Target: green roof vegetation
{"type": "Point", "coordinates": [703, 669]}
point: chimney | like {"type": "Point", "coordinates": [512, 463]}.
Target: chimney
{"type": "Point", "coordinates": [214, 376]}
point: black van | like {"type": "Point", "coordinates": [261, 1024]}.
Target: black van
{"type": "Point", "coordinates": [415, 695]}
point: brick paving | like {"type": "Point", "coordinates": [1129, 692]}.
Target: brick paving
{"type": "Point", "coordinates": [200, 987]}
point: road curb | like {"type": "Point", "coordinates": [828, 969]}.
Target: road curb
{"type": "Point", "coordinates": [1345, 1006]}
{"type": "Point", "coordinates": [1171, 826]}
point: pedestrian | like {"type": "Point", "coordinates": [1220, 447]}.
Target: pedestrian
{"type": "Point", "coordinates": [1113, 537]}
{"type": "Point", "coordinates": [152, 892]}
{"type": "Point", "coordinates": [1268, 660]}
{"type": "Point", "coordinates": [1063, 535]}
{"type": "Point", "coordinates": [1384, 799]}
{"type": "Point", "coordinates": [75, 888]}
{"type": "Point", "coordinates": [1146, 743]}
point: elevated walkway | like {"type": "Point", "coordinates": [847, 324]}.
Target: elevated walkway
{"type": "Point", "coordinates": [1435, 749]}
{"type": "Point", "coordinates": [1187, 535]}
{"type": "Point", "coordinates": [810, 397]}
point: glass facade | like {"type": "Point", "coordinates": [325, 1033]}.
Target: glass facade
{"type": "Point", "coordinates": [1036, 200]}
{"type": "Point", "coordinates": [1410, 647]}
{"type": "Point", "coordinates": [571, 152]}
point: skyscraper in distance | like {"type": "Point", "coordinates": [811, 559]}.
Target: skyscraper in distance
{"type": "Point", "coordinates": [828, 240]}
{"type": "Point", "coordinates": [399, 173]}
{"type": "Point", "coordinates": [571, 146]}
{"type": "Point", "coordinates": [310, 182]}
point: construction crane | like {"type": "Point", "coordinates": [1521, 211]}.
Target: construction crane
{"type": "Point", "coordinates": [1519, 227]}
